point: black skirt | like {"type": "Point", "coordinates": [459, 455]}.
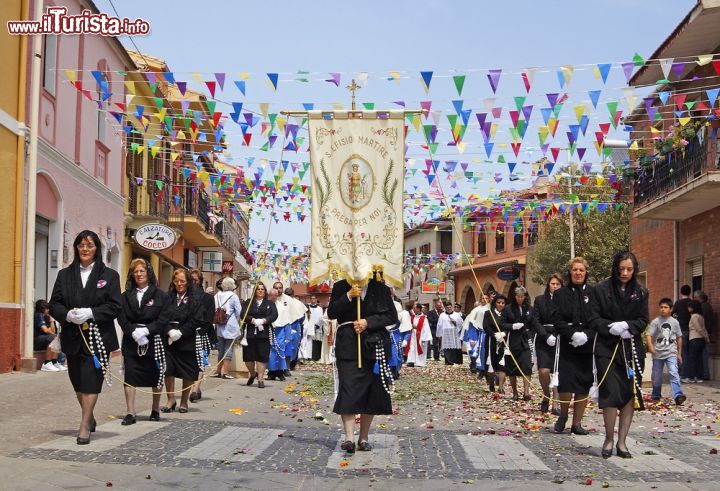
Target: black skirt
{"type": "Point", "coordinates": [545, 354]}
{"type": "Point", "coordinates": [524, 362]}
{"type": "Point", "coordinates": [258, 349]}
{"type": "Point", "coordinates": [616, 390]}
{"type": "Point", "coordinates": [496, 355]}
{"type": "Point", "coordinates": [360, 390]}
{"type": "Point", "coordinates": [574, 372]}
{"type": "Point", "coordinates": [141, 371]}
{"type": "Point", "coordinates": [182, 364]}
{"type": "Point", "coordinates": [84, 377]}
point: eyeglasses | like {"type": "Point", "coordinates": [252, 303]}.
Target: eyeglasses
{"type": "Point", "coordinates": [86, 247]}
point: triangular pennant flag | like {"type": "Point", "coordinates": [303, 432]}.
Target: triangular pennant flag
{"type": "Point", "coordinates": [426, 79]}
{"type": "Point", "coordinates": [603, 71]}
{"type": "Point", "coordinates": [628, 68]}
{"type": "Point", "coordinates": [459, 81]}
{"type": "Point", "coordinates": [678, 68]}
{"type": "Point", "coordinates": [712, 95]}
{"type": "Point", "coordinates": [211, 87]}
{"type": "Point", "coordinates": [716, 66]}
{"type": "Point", "coordinates": [494, 78]}
{"type": "Point", "coordinates": [528, 76]}
{"type": "Point", "coordinates": [240, 84]}
{"type": "Point", "coordinates": [638, 60]}
{"type": "Point", "coordinates": [665, 65]}
{"type": "Point", "coordinates": [334, 79]}
{"type": "Point", "coordinates": [594, 97]}
{"type": "Point", "coordinates": [273, 78]}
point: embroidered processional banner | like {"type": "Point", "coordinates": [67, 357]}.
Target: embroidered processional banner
{"type": "Point", "coordinates": [357, 178]}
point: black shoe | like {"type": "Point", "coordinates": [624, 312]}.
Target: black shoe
{"type": "Point", "coordinates": [560, 424]}
{"type": "Point", "coordinates": [527, 398]}
{"type": "Point", "coordinates": [271, 377]}
{"type": "Point", "coordinates": [348, 446]}
{"type": "Point", "coordinates": [250, 380]}
{"type": "Point", "coordinates": [281, 377]}
{"type": "Point", "coordinates": [170, 409]}
{"type": "Point", "coordinates": [93, 425]}
{"type": "Point", "coordinates": [364, 446]}
{"type": "Point", "coordinates": [287, 373]}
{"type": "Point", "coordinates": [545, 406]}
{"type": "Point", "coordinates": [623, 453]}
{"type": "Point", "coordinates": [194, 397]}
{"type": "Point", "coordinates": [491, 388]}
{"type": "Point", "coordinates": [128, 420]}
{"type": "Point", "coordinates": [606, 452]}
{"type": "Point", "coordinates": [261, 384]}
{"type": "Point", "coordinates": [154, 416]}
{"type": "Point", "coordinates": [82, 441]}
{"type": "Point", "coordinates": [578, 430]}
{"type": "Point", "coordinates": [680, 400]}
{"type": "Point", "coordinates": [182, 410]}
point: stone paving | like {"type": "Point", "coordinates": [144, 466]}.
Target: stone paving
{"type": "Point", "coordinates": [453, 434]}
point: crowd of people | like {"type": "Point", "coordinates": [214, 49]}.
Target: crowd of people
{"type": "Point", "coordinates": [586, 342]}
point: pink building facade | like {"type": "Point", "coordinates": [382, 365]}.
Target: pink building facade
{"type": "Point", "coordinates": [80, 152]}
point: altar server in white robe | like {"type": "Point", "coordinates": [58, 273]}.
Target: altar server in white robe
{"type": "Point", "coordinates": [420, 336]}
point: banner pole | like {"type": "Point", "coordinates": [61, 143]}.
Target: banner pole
{"type": "Point", "coordinates": [358, 336]}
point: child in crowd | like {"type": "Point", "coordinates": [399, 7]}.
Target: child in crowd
{"type": "Point", "coordinates": [664, 341]}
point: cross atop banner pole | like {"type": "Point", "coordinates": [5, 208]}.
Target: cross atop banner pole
{"type": "Point", "coordinates": [352, 88]}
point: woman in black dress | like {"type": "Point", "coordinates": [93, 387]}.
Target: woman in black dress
{"type": "Point", "coordinates": [208, 338]}
{"type": "Point", "coordinates": [86, 300]}
{"type": "Point", "coordinates": [258, 314]}
{"type": "Point", "coordinates": [518, 326]}
{"type": "Point", "coordinates": [143, 319]}
{"type": "Point", "coordinates": [576, 338]}
{"type": "Point", "coordinates": [492, 323]}
{"type": "Point", "coordinates": [361, 391]}
{"type": "Point", "coordinates": [619, 313]}
{"type": "Point", "coordinates": [185, 319]}
{"type": "Point", "coordinates": [545, 311]}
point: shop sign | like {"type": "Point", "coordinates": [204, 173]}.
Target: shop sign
{"type": "Point", "coordinates": [155, 237]}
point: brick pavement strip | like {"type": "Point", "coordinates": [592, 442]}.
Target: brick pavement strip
{"type": "Point", "coordinates": [108, 436]}
{"type": "Point", "coordinates": [487, 452]}
{"type": "Point", "coordinates": [234, 443]}
{"type": "Point", "coordinates": [385, 454]}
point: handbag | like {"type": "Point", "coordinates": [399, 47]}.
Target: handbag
{"type": "Point", "coordinates": [220, 316]}
{"type": "Point", "coordinates": [55, 345]}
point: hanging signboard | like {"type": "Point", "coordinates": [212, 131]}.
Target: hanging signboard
{"type": "Point", "coordinates": [433, 287]}
{"type": "Point", "coordinates": [508, 273]}
{"type": "Point", "coordinates": [227, 267]}
{"type": "Point", "coordinates": [212, 262]}
{"type": "Point", "coordinates": [155, 237]}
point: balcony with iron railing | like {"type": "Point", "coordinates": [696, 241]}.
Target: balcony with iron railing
{"type": "Point", "coordinates": [681, 184]}
{"type": "Point", "coordinates": [146, 200]}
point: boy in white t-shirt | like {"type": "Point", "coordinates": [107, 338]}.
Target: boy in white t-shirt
{"type": "Point", "coordinates": [664, 341]}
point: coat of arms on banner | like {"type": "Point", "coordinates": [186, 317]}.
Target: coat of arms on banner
{"type": "Point", "coordinates": [357, 222]}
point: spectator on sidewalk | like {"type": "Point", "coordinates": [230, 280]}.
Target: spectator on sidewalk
{"type": "Point", "coordinates": [227, 300]}
{"type": "Point", "coordinates": [709, 318]}
{"type": "Point", "coordinates": [681, 313]}
{"type": "Point", "coordinates": [45, 333]}
{"type": "Point", "coordinates": [665, 342]}
{"type": "Point", "coordinates": [699, 338]}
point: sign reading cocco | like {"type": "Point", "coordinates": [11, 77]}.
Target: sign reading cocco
{"type": "Point", "coordinates": [155, 237]}
{"type": "Point", "coordinates": [508, 273]}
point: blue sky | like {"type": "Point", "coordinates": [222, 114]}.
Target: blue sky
{"type": "Point", "coordinates": [408, 36]}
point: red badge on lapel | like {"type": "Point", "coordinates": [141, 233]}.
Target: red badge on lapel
{"type": "Point", "coordinates": [149, 303]}
{"type": "Point", "coordinates": [101, 283]}
{"type": "Point", "coordinates": [185, 299]}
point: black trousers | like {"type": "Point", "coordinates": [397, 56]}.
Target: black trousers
{"type": "Point", "coordinates": [316, 350]}
{"type": "Point", "coordinates": [695, 363]}
{"type": "Point", "coordinates": [434, 348]}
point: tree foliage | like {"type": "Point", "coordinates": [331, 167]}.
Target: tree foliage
{"type": "Point", "coordinates": [598, 235]}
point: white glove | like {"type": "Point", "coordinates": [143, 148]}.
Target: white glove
{"type": "Point", "coordinates": [499, 336]}
{"type": "Point", "coordinates": [518, 325]}
{"type": "Point", "coordinates": [72, 316]}
{"type": "Point", "coordinates": [83, 315]}
{"type": "Point", "coordinates": [142, 341]}
{"type": "Point", "coordinates": [404, 343]}
{"type": "Point", "coordinates": [551, 340]}
{"type": "Point", "coordinates": [174, 334]}
{"type": "Point", "coordinates": [258, 322]}
{"type": "Point", "coordinates": [578, 339]}
{"type": "Point", "coordinates": [140, 332]}
{"type": "Point", "coordinates": [626, 335]}
{"type": "Point", "coordinates": [617, 328]}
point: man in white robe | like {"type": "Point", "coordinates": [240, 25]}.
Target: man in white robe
{"type": "Point", "coordinates": [315, 326]}
{"type": "Point", "coordinates": [448, 329]}
{"type": "Point", "coordinates": [420, 335]}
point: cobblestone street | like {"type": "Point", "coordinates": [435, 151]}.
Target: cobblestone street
{"type": "Point", "coordinates": [450, 431]}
